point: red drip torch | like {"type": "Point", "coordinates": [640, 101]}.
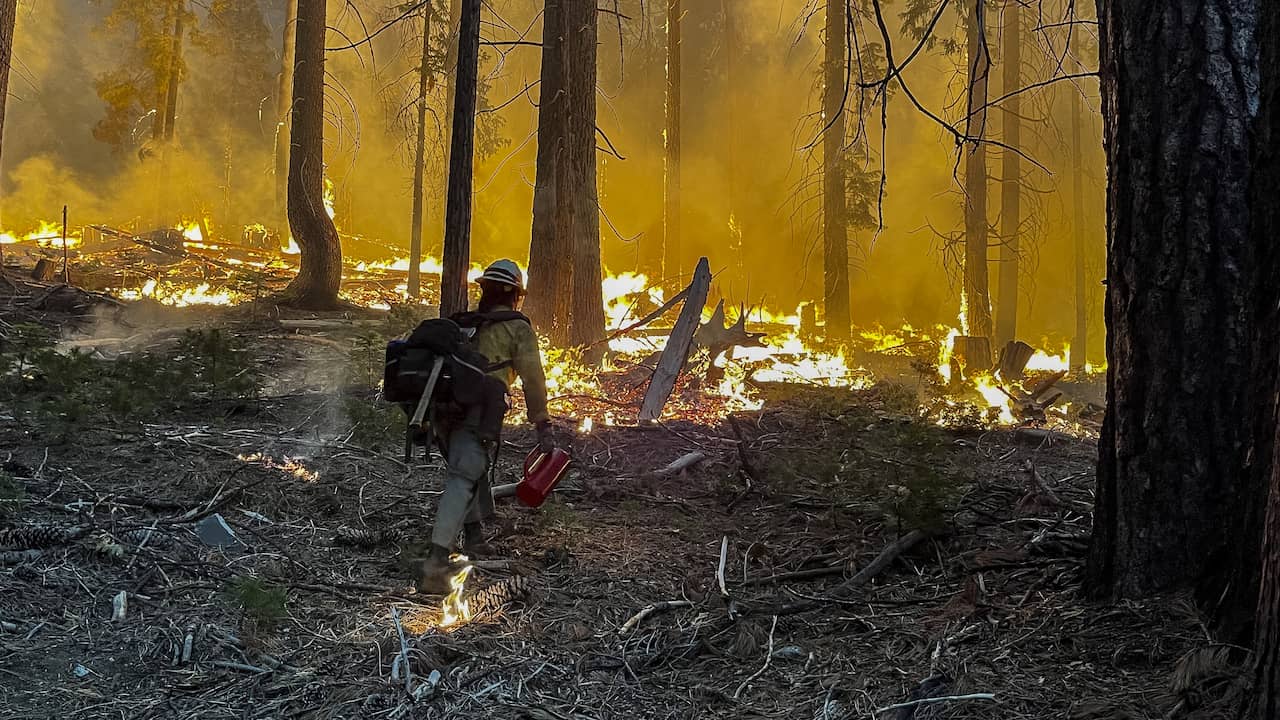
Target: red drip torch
{"type": "Point", "coordinates": [542, 470]}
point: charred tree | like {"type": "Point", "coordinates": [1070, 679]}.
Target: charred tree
{"type": "Point", "coordinates": [1178, 471]}
{"type": "Point", "coordinates": [420, 158]}
{"type": "Point", "coordinates": [457, 222]}
{"type": "Point", "coordinates": [8, 18]}
{"type": "Point", "coordinates": [835, 212]}
{"type": "Point", "coordinates": [1011, 178]}
{"type": "Point", "coordinates": [550, 283]}
{"type": "Point", "coordinates": [320, 272]}
{"type": "Point", "coordinates": [284, 102]}
{"type": "Point", "coordinates": [671, 210]}
{"type": "Point", "coordinates": [976, 302]}
{"type": "Point", "coordinates": [1080, 341]}
{"type": "Point", "coordinates": [1265, 226]}
{"type": "Point", "coordinates": [580, 214]}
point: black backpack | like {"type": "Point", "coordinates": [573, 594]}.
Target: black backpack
{"type": "Point", "coordinates": [437, 367]}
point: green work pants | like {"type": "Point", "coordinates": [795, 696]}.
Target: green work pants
{"type": "Point", "coordinates": [467, 495]}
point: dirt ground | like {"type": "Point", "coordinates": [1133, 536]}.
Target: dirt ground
{"type": "Point", "coordinates": [302, 618]}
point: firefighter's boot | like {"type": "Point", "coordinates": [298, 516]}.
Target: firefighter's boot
{"type": "Point", "coordinates": [473, 542]}
{"type": "Point", "coordinates": [431, 574]}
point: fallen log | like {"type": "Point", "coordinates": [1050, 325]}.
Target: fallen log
{"type": "Point", "coordinates": [676, 353]}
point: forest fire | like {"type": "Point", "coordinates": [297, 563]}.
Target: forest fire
{"type": "Point", "coordinates": [787, 353]}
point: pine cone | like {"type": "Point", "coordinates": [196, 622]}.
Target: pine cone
{"type": "Point", "coordinates": [35, 536]}
{"type": "Point", "coordinates": [499, 594]}
{"type": "Point", "coordinates": [107, 546]}
{"type": "Point", "coordinates": [152, 538]}
{"type": "Point", "coordinates": [365, 538]}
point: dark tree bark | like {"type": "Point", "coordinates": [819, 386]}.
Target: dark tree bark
{"type": "Point", "coordinates": [976, 303]}
{"type": "Point", "coordinates": [1080, 342]}
{"type": "Point", "coordinates": [420, 159]}
{"type": "Point", "coordinates": [175, 71]}
{"type": "Point", "coordinates": [1177, 469]}
{"type": "Point", "coordinates": [564, 253]}
{"type": "Point", "coordinates": [835, 213]}
{"type": "Point", "coordinates": [164, 69]}
{"type": "Point", "coordinates": [1011, 180]}
{"type": "Point", "coordinates": [1265, 230]}
{"type": "Point", "coordinates": [457, 222]}
{"type": "Point", "coordinates": [582, 212]}
{"type": "Point", "coordinates": [450, 67]}
{"type": "Point", "coordinates": [671, 210]}
{"type": "Point", "coordinates": [8, 18]}
{"type": "Point", "coordinates": [550, 282]}
{"type": "Point", "coordinates": [283, 103]}
{"type": "Point", "coordinates": [320, 273]}
{"type": "Point", "coordinates": [731, 110]}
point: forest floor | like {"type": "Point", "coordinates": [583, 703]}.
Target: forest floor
{"type": "Point", "coordinates": [302, 618]}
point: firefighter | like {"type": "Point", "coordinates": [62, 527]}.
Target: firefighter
{"type": "Point", "coordinates": [468, 500]}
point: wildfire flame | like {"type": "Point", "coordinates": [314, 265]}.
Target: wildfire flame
{"type": "Point", "coordinates": [455, 609]}
{"type": "Point", "coordinates": [787, 353]}
{"type": "Point", "coordinates": [288, 465]}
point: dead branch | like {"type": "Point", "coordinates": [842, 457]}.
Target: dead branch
{"type": "Point", "coordinates": [887, 556]}
{"type": "Point", "coordinates": [930, 701]}
{"type": "Point", "coordinates": [648, 610]}
{"type": "Point", "coordinates": [680, 464]}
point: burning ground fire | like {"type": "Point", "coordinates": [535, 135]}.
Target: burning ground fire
{"type": "Point", "coordinates": [455, 609]}
{"type": "Point", "coordinates": [224, 272]}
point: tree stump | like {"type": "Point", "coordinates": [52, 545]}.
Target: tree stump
{"type": "Point", "coordinates": [973, 352]}
{"type": "Point", "coordinates": [44, 270]}
{"type": "Point", "coordinates": [1014, 357]}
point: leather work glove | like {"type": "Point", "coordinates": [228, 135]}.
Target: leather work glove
{"type": "Point", "coordinates": [545, 442]}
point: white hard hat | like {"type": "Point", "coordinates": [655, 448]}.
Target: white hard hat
{"type": "Point", "coordinates": [505, 272]}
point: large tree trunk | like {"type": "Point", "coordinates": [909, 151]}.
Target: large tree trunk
{"type": "Point", "coordinates": [8, 18]}
{"type": "Point", "coordinates": [451, 67]}
{"type": "Point", "coordinates": [163, 68]}
{"type": "Point", "coordinates": [730, 10]}
{"type": "Point", "coordinates": [564, 252]}
{"type": "Point", "coordinates": [550, 277]}
{"type": "Point", "coordinates": [420, 159]}
{"type": "Point", "coordinates": [175, 72]}
{"type": "Point", "coordinates": [1080, 342]}
{"type": "Point", "coordinates": [671, 230]}
{"type": "Point", "coordinates": [1011, 182]}
{"type": "Point", "coordinates": [976, 301]}
{"type": "Point", "coordinates": [175, 13]}
{"type": "Point", "coordinates": [1175, 477]}
{"type": "Point", "coordinates": [1265, 230]}
{"type": "Point", "coordinates": [457, 222]}
{"type": "Point", "coordinates": [320, 273]}
{"type": "Point", "coordinates": [283, 103]}
{"type": "Point", "coordinates": [835, 230]}
{"type": "Point", "coordinates": [586, 317]}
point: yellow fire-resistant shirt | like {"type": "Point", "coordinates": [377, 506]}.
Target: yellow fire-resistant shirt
{"type": "Point", "coordinates": [515, 341]}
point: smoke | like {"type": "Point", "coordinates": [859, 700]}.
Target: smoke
{"type": "Point", "coordinates": [751, 101]}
